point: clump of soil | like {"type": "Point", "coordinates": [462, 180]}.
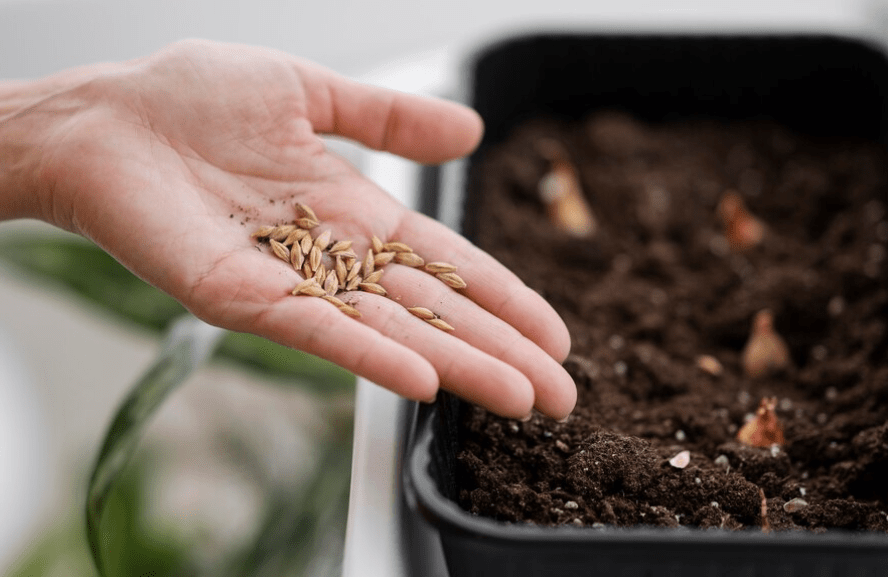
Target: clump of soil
{"type": "Point", "coordinates": [658, 286]}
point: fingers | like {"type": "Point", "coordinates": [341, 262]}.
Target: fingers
{"type": "Point", "coordinates": [554, 389]}
{"type": "Point", "coordinates": [424, 129]}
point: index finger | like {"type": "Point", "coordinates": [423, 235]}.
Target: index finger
{"type": "Point", "coordinates": [425, 129]}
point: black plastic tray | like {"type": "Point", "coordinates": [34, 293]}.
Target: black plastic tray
{"type": "Point", "coordinates": [820, 85]}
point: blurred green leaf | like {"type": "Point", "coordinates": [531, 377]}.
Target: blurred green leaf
{"type": "Point", "coordinates": [79, 266]}
{"type": "Point", "coordinates": [189, 344]}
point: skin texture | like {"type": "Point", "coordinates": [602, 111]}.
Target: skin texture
{"type": "Point", "coordinates": [171, 161]}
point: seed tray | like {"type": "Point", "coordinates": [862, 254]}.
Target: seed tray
{"type": "Point", "coordinates": [816, 84]}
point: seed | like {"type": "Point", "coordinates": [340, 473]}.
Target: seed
{"type": "Point", "coordinates": [709, 364]}
{"type": "Point", "coordinates": [765, 429]}
{"type": "Point", "coordinates": [307, 223]}
{"type": "Point", "coordinates": [340, 246]}
{"type": "Point", "coordinates": [282, 232]}
{"type": "Point", "coordinates": [423, 313]}
{"type": "Point", "coordinates": [436, 267]}
{"type": "Point", "coordinates": [314, 258]}
{"type": "Point", "coordinates": [305, 244]}
{"type": "Point", "coordinates": [765, 353]}
{"type": "Point", "coordinates": [331, 284]}
{"type": "Point", "coordinates": [346, 254]}
{"type": "Point", "coordinates": [440, 324]}
{"type": "Point", "coordinates": [304, 211]}
{"type": "Point", "coordinates": [262, 232]}
{"type": "Point", "coordinates": [451, 279]}
{"type": "Point", "coordinates": [295, 236]}
{"type": "Point", "coordinates": [334, 301]}
{"type": "Point", "coordinates": [300, 288]}
{"type": "Point", "coordinates": [395, 247]}
{"type": "Point", "coordinates": [315, 290]}
{"type": "Point", "coordinates": [374, 276]}
{"type": "Point", "coordinates": [377, 244]}
{"type": "Point", "coordinates": [355, 269]}
{"type": "Point", "coordinates": [383, 258]}
{"type": "Point", "coordinates": [341, 271]}
{"type": "Point", "coordinates": [409, 259]}
{"type": "Point", "coordinates": [373, 288]}
{"type": "Point", "coordinates": [323, 240]}
{"type": "Point", "coordinates": [354, 283]}
{"type": "Point", "coordinates": [306, 270]}
{"type": "Point", "coordinates": [793, 505]}
{"type": "Point", "coordinates": [296, 257]}
{"type": "Point", "coordinates": [369, 262]}
{"type": "Point", "coordinates": [321, 274]}
{"type": "Point", "coordinates": [279, 250]}
{"type": "Point", "coordinates": [681, 460]}
{"type": "Point", "coordinates": [350, 311]}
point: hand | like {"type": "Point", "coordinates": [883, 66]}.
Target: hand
{"type": "Point", "coordinates": [171, 162]}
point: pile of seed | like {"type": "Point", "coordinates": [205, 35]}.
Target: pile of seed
{"type": "Point", "coordinates": [330, 267]}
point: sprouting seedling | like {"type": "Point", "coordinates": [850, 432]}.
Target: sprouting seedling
{"type": "Point", "coordinates": [562, 193]}
{"type": "Point", "coordinates": [763, 430]}
{"type": "Point", "coordinates": [765, 353]}
{"type": "Point", "coordinates": [742, 229]}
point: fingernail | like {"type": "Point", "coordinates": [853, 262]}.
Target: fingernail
{"type": "Point", "coordinates": [526, 418]}
{"type": "Point", "coordinates": [564, 420]}
{"type": "Point", "coordinates": [430, 401]}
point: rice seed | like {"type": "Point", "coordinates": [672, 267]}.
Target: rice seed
{"type": "Point", "coordinates": [440, 324]}
{"type": "Point", "coordinates": [373, 288]}
{"type": "Point", "coordinates": [374, 276]}
{"type": "Point", "coordinates": [353, 271]}
{"type": "Point", "coordinates": [354, 283]}
{"type": "Point", "coordinates": [331, 284]}
{"type": "Point", "coordinates": [279, 250]}
{"type": "Point", "coordinates": [341, 270]}
{"type": "Point", "coordinates": [340, 246]}
{"type": "Point", "coordinates": [451, 279]}
{"type": "Point", "coordinates": [307, 223]}
{"type": "Point", "coordinates": [296, 257]}
{"type": "Point", "coordinates": [305, 211]}
{"type": "Point", "coordinates": [395, 247]}
{"type": "Point", "coordinates": [334, 301]}
{"type": "Point", "coordinates": [423, 313]}
{"type": "Point", "coordinates": [262, 232]}
{"type": "Point", "coordinates": [281, 232]}
{"type": "Point", "coordinates": [304, 285]}
{"type": "Point", "coordinates": [306, 243]}
{"type": "Point", "coordinates": [369, 262]}
{"type": "Point", "coordinates": [323, 240]}
{"type": "Point", "coordinates": [437, 267]}
{"type": "Point", "coordinates": [350, 311]}
{"type": "Point", "coordinates": [377, 244]}
{"type": "Point", "coordinates": [383, 258]}
{"type": "Point", "coordinates": [408, 259]}
{"type": "Point", "coordinates": [314, 258]}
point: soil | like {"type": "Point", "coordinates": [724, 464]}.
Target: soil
{"type": "Point", "coordinates": [658, 286]}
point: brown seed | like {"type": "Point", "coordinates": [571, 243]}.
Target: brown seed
{"type": "Point", "coordinates": [304, 285]}
{"type": "Point", "coordinates": [374, 276]}
{"type": "Point", "coordinates": [709, 364]}
{"type": "Point", "coordinates": [369, 262]}
{"type": "Point", "coordinates": [377, 244]}
{"type": "Point", "coordinates": [423, 313]}
{"type": "Point", "coordinates": [439, 324]}
{"type": "Point", "coordinates": [280, 233]}
{"type": "Point", "coordinates": [306, 269]}
{"type": "Point", "coordinates": [395, 247]}
{"type": "Point", "coordinates": [354, 283]}
{"type": "Point", "coordinates": [331, 284]}
{"type": "Point", "coordinates": [353, 272]}
{"type": "Point", "coordinates": [306, 223]}
{"type": "Point", "coordinates": [741, 228]}
{"type": "Point", "coordinates": [765, 429]}
{"type": "Point", "coordinates": [306, 243]}
{"type": "Point", "coordinates": [350, 311]}
{"type": "Point", "coordinates": [373, 288]}
{"type": "Point", "coordinates": [340, 246]}
{"type": "Point", "coordinates": [320, 274]}
{"type": "Point", "coordinates": [315, 291]}
{"type": "Point", "coordinates": [333, 300]}
{"type": "Point", "coordinates": [436, 267]}
{"type": "Point", "coordinates": [280, 251]}
{"type": "Point", "coordinates": [409, 259]}
{"type": "Point", "coordinates": [348, 255]}
{"type": "Point", "coordinates": [262, 232]}
{"type": "Point", "coordinates": [383, 258]}
{"type": "Point", "coordinates": [323, 239]}
{"type": "Point", "coordinates": [341, 271]}
{"type": "Point", "coordinates": [314, 258]}
{"type": "Point", "coordinates": [451, 279]}
{"type": "Point", "coordinates": [765, 353]}
{"type": "Point", "coordinates": [305, 211]}
{"type": "Point", "coordinates": [296, 257]}
{"type": "Point", "coordinates": [295, 236]}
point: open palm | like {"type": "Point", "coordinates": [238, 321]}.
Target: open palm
{"type": "Point", "coordinates": [171, 162]}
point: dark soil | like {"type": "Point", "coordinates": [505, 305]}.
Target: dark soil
{"type": "Point", "coordinates": [657, 287]}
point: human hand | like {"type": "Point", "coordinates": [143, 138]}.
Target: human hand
{"type": "Point", "coordinates": [170, 163]}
